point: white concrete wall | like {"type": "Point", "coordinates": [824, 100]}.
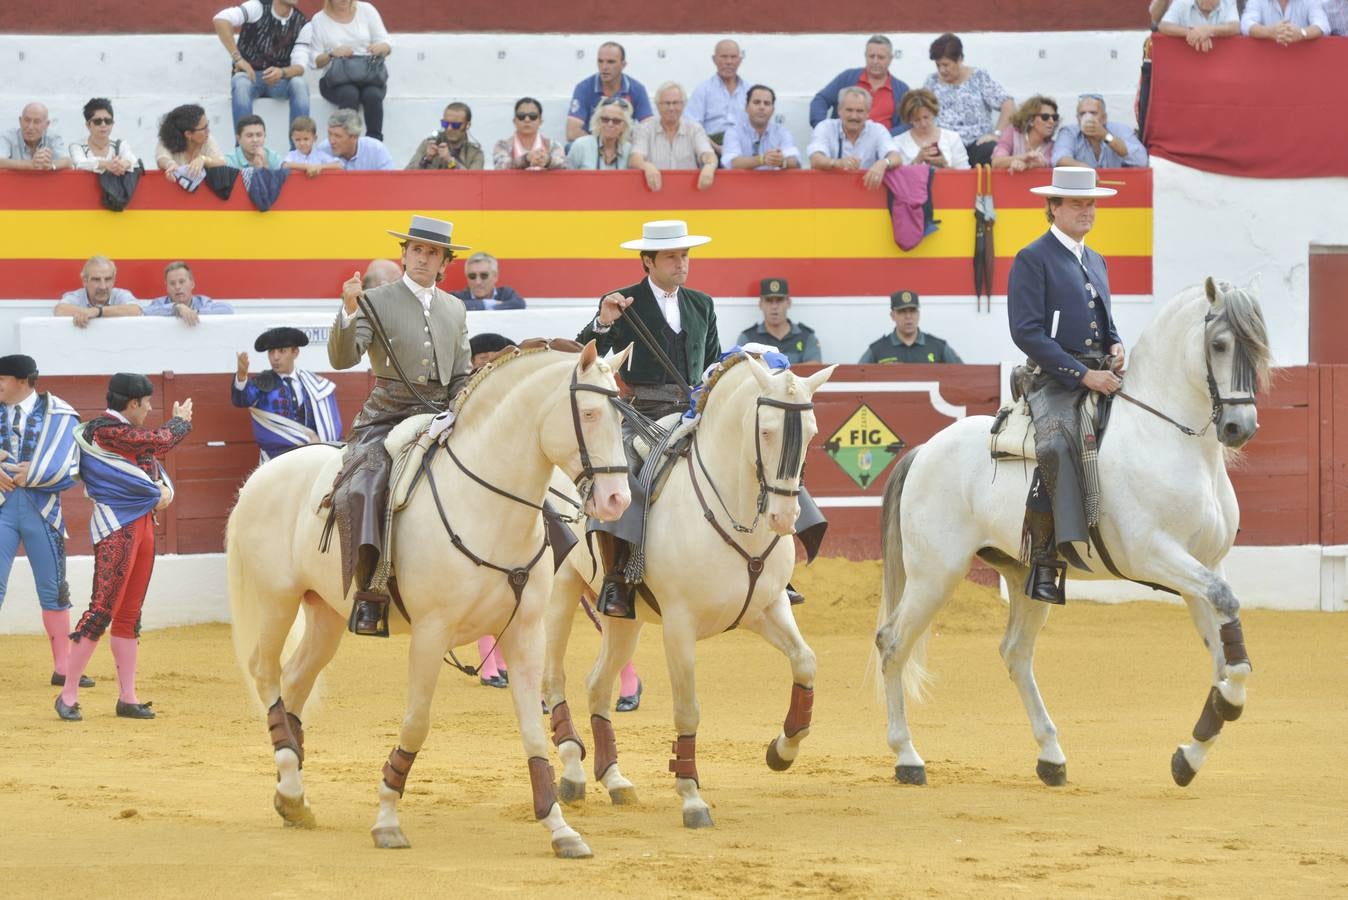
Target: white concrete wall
{"type": "Point", "coordinates": [145, 75]}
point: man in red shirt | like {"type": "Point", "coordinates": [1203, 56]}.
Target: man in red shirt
{"type": "Point", "coordinates": [874, 78]}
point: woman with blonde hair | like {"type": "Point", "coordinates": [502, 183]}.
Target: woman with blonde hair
{"type": "Point", "coordinates": [1028, 142]}
{"type": "Point", "coordinates": [609, 142]}
{"type": "Point", "coordinates": [925, 141]}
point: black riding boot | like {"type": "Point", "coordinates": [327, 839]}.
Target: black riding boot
{"type": "Point", "coordinates": [615, 594]}
{"type": "Point", "coordinates": [369, 616]}
{"type": "Point", "coordinates": [1048, 574]}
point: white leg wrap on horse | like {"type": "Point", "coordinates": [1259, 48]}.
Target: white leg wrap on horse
{"type": "Point", "coordinates": [291, 779]}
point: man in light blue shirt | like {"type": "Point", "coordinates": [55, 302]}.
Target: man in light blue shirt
{"type": "Point", "coordinates": [180, 300]}
{"type": "Point", "coordinates": [718, 102]}
{"type": "Point", "coordinates": [1289, 23]}
{"type": "Point", "coordinates": [756, 141]}
{"type": "Point", "coordinates": [99, 297]}
{"type": "Point", "coordinates": [852, 142]}
{"type": "Point", "coordinates": [352, 149]}
{"type": "Point", "coordinates": [1199, 21]}
{"type": "Point", "coordinates": [1095, 142]}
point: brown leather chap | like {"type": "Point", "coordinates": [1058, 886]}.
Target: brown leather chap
{"type": "Point", "coordinates": [798, 714]}
{"type": "Point", "coordinates": [684, 763]}
{"type": "Point", "coordinates": [563, 729]}
{"type": "Point", "coordinates": [396, 769]}
{"type": "Point", "coordinates": [605, 745]}
{"type": "Point", "coordinates": [544, 785]}
{"type": "Point", "coordinates": [285, 730]}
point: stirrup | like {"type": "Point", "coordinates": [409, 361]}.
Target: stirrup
{"type": "Point", "coordinates": [1055, 591]}
{"type": "Point", "coordinates": [615, 598]}
{"type": "Point", "coordinates": [369, 614]}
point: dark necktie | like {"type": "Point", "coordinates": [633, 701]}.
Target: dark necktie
{"type": "Point", "coordinates": [15, 436]}
{"type": "Point", "coordinates": [292, 400]}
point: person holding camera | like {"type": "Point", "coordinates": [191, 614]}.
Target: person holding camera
{"type": "Point", "coordinates": [1095, 142]}
{"type": "Point", "coordinates": [451, 148]}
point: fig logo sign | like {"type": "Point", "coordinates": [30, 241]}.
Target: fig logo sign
{"type": "Point", "coordinates": [864, 446]}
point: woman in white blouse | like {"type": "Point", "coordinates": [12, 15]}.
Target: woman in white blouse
{"type": "Point", "coordinates": [100, 153]}
{"type": "Point", "coordinates": [352, 29]}
{"type": "Point", "coordinates": [925, 141]}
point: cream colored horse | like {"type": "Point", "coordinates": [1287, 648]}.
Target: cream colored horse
{"type": "Point", "coordinates": [519, 418]}
{"type": "Point", "coordinates": [746, 450]}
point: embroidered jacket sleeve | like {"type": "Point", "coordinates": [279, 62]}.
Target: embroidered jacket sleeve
{"type": "Point", "coordinates": [143, 444]}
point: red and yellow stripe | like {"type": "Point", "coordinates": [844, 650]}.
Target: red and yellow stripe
{"type": "Point", "coordinates": [556, 233]}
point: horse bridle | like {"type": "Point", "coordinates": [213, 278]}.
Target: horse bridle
{"type": "Point", "coordinates": [1241, 363]}
{"type": "Point", "coordinates": [585, 480]}
{"type": "Point", "coordinates": [791, 462]}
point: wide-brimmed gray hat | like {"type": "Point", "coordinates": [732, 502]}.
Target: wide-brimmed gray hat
{"type": "Point", "coordinates": [1073, 181]}
{"type": "Point", "coordinates": [666, 234]}
{"type": "Point", "coordinates": [430, 231]}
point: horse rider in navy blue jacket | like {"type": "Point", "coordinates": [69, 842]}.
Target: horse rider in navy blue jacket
{"type": "Point", "coordinates": [1059, 308]}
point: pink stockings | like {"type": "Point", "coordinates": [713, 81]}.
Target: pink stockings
{"type": "Point", "coordinates": [57, 623]}
{"type": "Point", "coordinates": [124, 654]}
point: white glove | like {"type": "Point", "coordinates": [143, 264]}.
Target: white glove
{"type": "Point", "coordinates": [441, 426]}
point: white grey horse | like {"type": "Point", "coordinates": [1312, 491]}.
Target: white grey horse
{"type": "Point", "coordinates": [1168, 517]}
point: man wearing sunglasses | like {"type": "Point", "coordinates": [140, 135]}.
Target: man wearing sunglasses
{"type": "Point", "coordinates": [1095, 142]}
{"type": "Point", "coordinates": [483, 271]}
{"type": "Point", "coordinates": [451, 148]}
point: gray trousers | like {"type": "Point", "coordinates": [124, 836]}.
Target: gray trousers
{"type": "Point", "coordinates": [1054, 408]}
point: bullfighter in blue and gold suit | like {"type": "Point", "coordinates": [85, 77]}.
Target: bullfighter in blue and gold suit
{"type": "Point", "coordinates": [290, 407]}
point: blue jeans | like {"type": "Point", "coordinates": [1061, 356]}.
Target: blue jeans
{"type": "Point", "coordinates": [21, 520]}
{"type": "Point", "coordinates": [244, 92]}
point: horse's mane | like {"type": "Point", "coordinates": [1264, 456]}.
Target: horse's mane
{"type": "Point", "coordinates": [715, 377]}
{"type": "Point", "coordinates": [1241, 312]}
{"type": "Point", "coordinates": [529, 348]}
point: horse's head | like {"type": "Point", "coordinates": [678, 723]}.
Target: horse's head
{"type": "Point", "coordinates": [583, 436]}
{"type": "Point", "coordinates": [783, 425]}
{"type": "Point", "coordinates": [1235, 345]}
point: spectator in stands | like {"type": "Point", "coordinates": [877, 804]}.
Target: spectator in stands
{"type": "Point", "coordinates": [99, 298]}
{"type": "Point", "coordinates": [853, 142]}
{"type": "Point", "coordinates": [611, 60]}
{"type": "Point", "coordinates": [180, 299]}
{"type": "Point", "coordinates": [306, 157]}
{"type": "Point", "coordinates": [1336, 13]}
{"type": "Point", "coordinates": [974, 106]}
{"type": "Point", "coordinates": [101, 153]}
{"type": "Point", "coordinates": [1028, 142]}
{"type": "Point", "coordinates": [795, 340]}
{"type": "Point", "coordinates": [380, 271]}
{"type": "Point", "coordinates": [251, 151]}
{"type": "Point", "coordinates": [609, 143]}
{"type": "Point", "coordinates": [718, 102]}
{"type": "Point", "coordinates": [528, 149]}
{"type": "Point", "coordinates": [1095, 142]}
{"type": "Point", "coordinates": [1284, 21]}
{"type": "Point", "coordinates": [882, 88]}
{"type": "Point", "coordinates": [356, 152]}
{"type": "Point", "coordinates": [31, 145]}
{"type": "Point", "coordinates": [353, 32]}
{"type": "Point", "coordinates": [451, 147]}
{"type": "Point", "coordinates": [925, 141]}
{"type": "Point", "coordinates": [1199, 21]}
{"type": "Point", "coordinates": [673, 141]}
{"type": "Point", "coordinates": [185, 142]}
{"type": "Point", "coordinates": [270, 56]}
{"type": "Point", "coordinates": [483, 271]}
{"type": "Point", "coordinates": [907, 343]}
{"type": "Point", "coordinates": [754, 140]}
{"type": "Point", "coordinates": [1157, 9]}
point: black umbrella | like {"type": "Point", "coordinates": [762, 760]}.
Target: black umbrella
{"type": "Point", "coordinates": [985, 216]}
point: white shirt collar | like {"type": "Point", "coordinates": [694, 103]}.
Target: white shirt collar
{"type": "Point", "coordinates": [27, 404]}
{"type": "Point", "coordinates": [669, 305]}
{"type": "Point", "coordinates": [1078, 249]}
{"type": "Point", "coordinates": [116, 415]}
{"type": "Point", "coordinates": [424, 294]}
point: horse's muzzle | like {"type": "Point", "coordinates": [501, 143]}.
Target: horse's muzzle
{"type": "Point", "coordinates": [609, 497]}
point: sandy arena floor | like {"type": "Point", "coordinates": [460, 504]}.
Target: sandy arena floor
{"type": "Point", "coordinates": [181, 806]}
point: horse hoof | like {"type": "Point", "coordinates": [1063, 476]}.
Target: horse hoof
{"type": "Point", "coordinates": [570, 792]}
{"type": "Point", "coordinates": [390, 837]}
{"type": "Point", "coordinates": [571, 848]}
{"type": "Point", "coordinates": [1180, 770]}
{"type": "Point", "coordinates": [623, 796]}
{"type": "Point", "coordinates": [775, 761]}
{"type": "Point", "coordinates": [1225, 708]}
{"type": "Point", "coordinates": [910, 774]}
{"type": "Point", "coordinates": [293, 810]}
{"type": "Point", "coordinates": [697, 817]}
{"type": "Point", "coordinates": [1052, 774]}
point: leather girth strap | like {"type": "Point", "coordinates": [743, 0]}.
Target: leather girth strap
{"type": "Point", "coordinates": [285, 729]}
{"type": "Point", "coordinates": [396, 769]}
{"type": "Point", "coordinates": [543, 783]}
{"type": "Point", "coordinates": [798, 714]}
{"type": "Point", "coordinates": [754, 564]}
{"type": "Point", "coordinates": [563, 729]}
{"type": "Point", "coordinates": [684, 763]}
{"type": "Point", "coordinates": [605, 745]}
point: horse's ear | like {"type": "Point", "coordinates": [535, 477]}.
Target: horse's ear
{"type": "Point", "coordinates": [588, 355]}
{"type": "Point", "coordinates": [761, 373]}
{"type": "Point", "coordinates": [1210, 287]}
{"type": "Point", "coordinates": [620, 359]}
{"type": "Point", "coordinates": [814, 381]}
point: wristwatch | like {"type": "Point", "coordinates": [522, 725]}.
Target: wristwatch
{"type": "Point", "coordinates": [600, 327]}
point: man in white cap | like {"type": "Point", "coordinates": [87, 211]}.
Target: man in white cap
{"type": "Point", "coordinates": [428, 329]}
{"type": "Point", "coordinates": [1059, 307]}
{"type": "Point", "coordinates": [683, 322]}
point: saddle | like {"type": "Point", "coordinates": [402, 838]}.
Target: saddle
{"type": "Point", "coordinates": [1012, 432]}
